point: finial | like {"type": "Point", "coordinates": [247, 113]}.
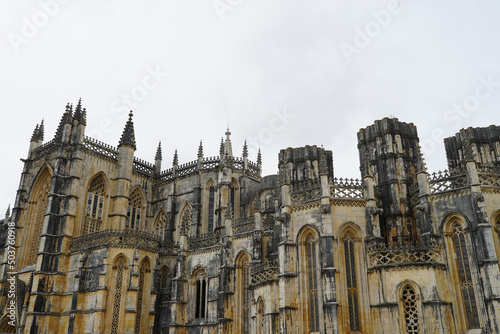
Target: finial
{"type": "Point", "coordinates": [128, 135]}
{"type": "Point", "coordinates": [259, 158]}
{"type": "Point", "coordinates": [221, 150]}
{"type": "Point", "coordinates": [176, 158]}
{"type": "Point", "coordinates": [158, 152]}
{"type": "Point", "coordinates": [7, 214]}
{"type": "Point", "coordinates": [200, 150]}
{"type": "Point", "coordinates": [245, 149]}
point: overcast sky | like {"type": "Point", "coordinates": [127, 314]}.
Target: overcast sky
{"type": "Point", "coordinates": [283, 73]}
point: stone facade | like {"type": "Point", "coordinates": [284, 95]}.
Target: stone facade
{"type": "Point", "coordinates": [109, 243]}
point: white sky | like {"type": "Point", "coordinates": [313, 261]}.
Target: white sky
{"type": "Point", "coordinates": [247, 61]}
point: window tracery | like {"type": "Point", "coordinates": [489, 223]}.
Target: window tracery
{"type": "Point", "coordinates": [462, 260]}
{"type": "Point", "coordinates": [119, 274]}
{"type": "Point", "coordinates": [34, 223]}
{"type": "Point", "coordinates": [352, 285]}
{"type": "Point", "coordinates": [410, 310]}
{"type": "Point", "coordinates": [161, 225]}
{"type": "Point", "coordinates": [134, 210]}
{"type": "Point", "coordinates": [95, 206]}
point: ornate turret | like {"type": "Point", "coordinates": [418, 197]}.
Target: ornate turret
{"type": "Point", "coordinates": [390, 149]}
{"type": "Point", "coordinates": [128, 135]}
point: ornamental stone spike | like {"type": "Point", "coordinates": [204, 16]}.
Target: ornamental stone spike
{"type": "Point", "coordinates": [200, 150]}
{"type": "Point", "coordinates": [259, 158]}
{"type": "Point", "coordinates": [221, 149]}
{"type": "Point", "coordinates": [78, 110]}
{"type": "Point", "coordinates": [128, 135]}
{"type": "Point", "coordinates": [66, 118]}
{"type": "Point", "coordinates": [34, 136]}
{"type": "Point", "coordinates": [245, 149]}
{"type": "Point", "coordinates": [228, 147]}
{"type": "Point", "coordinates": [176, 159]}
{"type": "Point", "coordinates": [41, 131]}
{"type": "Point", "coordinates": [158, 155]}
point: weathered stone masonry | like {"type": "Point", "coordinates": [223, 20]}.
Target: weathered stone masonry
{"type": "Point", "coordinates": [109, 243]}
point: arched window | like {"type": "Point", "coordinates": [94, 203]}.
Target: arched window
{"type": "Point", "coordinates": [186, 220]}
{"type": "Point", "coordinates": [243, 293]}
{"type": "Point", "coordinates": [161, 225]}
{"type": "Point", "coordinates": [199, 283]}
{"type": "Point", "coordinates": [410, 310]}
{"type": "Point", "coordinates": [95, 205]}
{"type": "Point", "coordinates": [134, 210]}
{"type": "Point", "coordinates": [144, 269]}
{"type": "Point", "coordinates": [462, 265]}
{"type": "Point", "coordinates": [310, 279]}
{"type": "Point", "coordinates": [352, 283]}
{"type": "Point", "coordinates": [119, 276]}
{"type": "Point", "coordinates": [164, 282]}
{"type": "Point", "coordinates": [261, 320]}
{"type": "Point", "coordinates": [33, 223]}
{"type": "Point", "coordinates": [211, 207]}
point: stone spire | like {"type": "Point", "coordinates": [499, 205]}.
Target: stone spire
{"type": "Point", "coordinates": [200, 150]}
{"type": "Point", "coordinates": [158, 152]}
{"type": "Point", "coordinates": [128, 135]}
{"type": "Point", "coordinates": [65, 119]}
{"type": "Point", "coordinates": [221, 149]}
{"type": "Point", "coordinates": [245, 149]}
{"type": "Point", "coordinates": [228, 148]}
{"type": "Point", "coordinates": [176, 159]}
{"type": "Point", "coordinates": [7, 214]}
{"type": "Point", "coordinates": [259, 158]}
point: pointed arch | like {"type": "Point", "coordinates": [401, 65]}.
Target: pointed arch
{"type": "Point", "coordinates": [95, 204]}
{"type": "Point", "coordinates": [184, 221]}
{"type": "Point", "coordinates": [310, 282]}
{"type": "Point", "coordinates": [495, 223]}
{"type": "Point", "coordinates": [160, 224]}
{"type": "Point", "coordinates": [142, 311]}
{"type": "Point", "coordinates": [351, 249]}
{"type": "Point", "coordinates": [136, 208]}
{"type": "Point", "coordinates": [209, 204]}
{"type": "Point", "coordinates": [117, 294]}
{"type": "Point", "coordinates": [461, 260]}
{"type": "Point", "coordinates": [261, 319]}
{"type": "Point", "coordinates": [242, 297]}
{"type": "Point", "coordinates": [33, 222]}
{"type": "Point", "coordinates": [410, 307]}
{"type": "Point", "coordinates": [199, 290]}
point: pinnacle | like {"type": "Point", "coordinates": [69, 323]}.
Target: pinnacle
{"type": "Point", "coordinates": [158, 152]}
{"type": "Point", "coordinates": [128, 135]}
{"type": "Point", "coordinates": [200, 150]}
{"type": "Point", "coordinates": [245, 149]}
{"type": "Point", "coordinates": [176, 158]}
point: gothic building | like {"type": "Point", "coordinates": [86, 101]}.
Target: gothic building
{"type": "Point", "coordinates": [108, 243]}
